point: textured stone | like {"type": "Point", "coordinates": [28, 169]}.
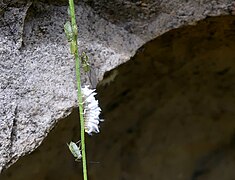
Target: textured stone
{"type": "Point", "coordinates": [38, 85]}
{"type": "Point", "coordinates": [169, 114]}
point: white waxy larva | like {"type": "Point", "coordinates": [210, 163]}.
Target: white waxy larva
{"type": "Point", "coordinates": [91, 110]}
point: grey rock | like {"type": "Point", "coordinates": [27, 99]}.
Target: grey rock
{"type": "Point", "coordinates": [37, 77]}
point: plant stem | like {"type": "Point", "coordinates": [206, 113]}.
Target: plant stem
{"type": "Point", "coordinates": [80, 100]}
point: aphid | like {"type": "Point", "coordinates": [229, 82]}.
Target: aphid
{"type": "Point", "coordinates": [85, 62]}
{"type": "Point", "coordinates": [75, 150]}
{"type": "Point", "coordinates": [70, 34]}
{"type": "Point", "coordinates": [68, 31]}
{"type": "Point", "coordinates": [73, 47]}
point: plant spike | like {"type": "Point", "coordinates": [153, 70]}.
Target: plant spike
{"type": "Point", "coordinates": [71, 32]}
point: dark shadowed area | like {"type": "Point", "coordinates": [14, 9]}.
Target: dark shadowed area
{"type": "Point", "coordinates": [169, 114]}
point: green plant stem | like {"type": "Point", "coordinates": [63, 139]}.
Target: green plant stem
{"type": "Point", "coordinates": [80, 100]}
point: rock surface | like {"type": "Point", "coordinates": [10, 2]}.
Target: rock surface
{"type": "Point", "coordinates": [38, 86]}
{"type": "Point", "coordinates": [177, 124]}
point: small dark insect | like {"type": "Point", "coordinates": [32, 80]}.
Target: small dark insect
{"type": "Point", "coordinates": [85, 62]}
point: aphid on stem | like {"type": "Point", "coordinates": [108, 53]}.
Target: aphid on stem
{"type": "Point", "coordinates": [85, 62]}
{"type": "Point", "coordinates": [75, 150]}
